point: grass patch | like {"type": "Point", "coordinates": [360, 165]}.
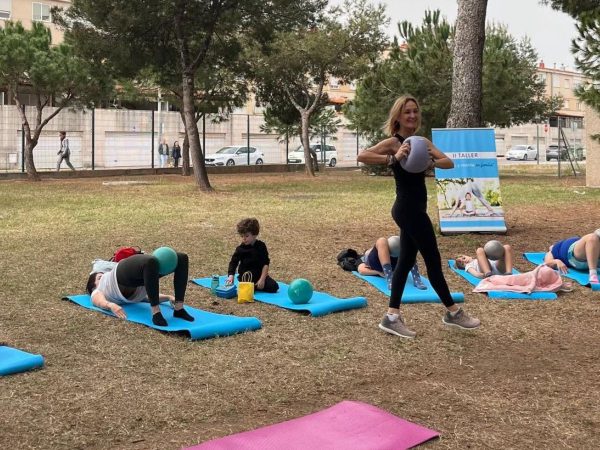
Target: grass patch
{"type": "Point", "coordinates": [519, 381]}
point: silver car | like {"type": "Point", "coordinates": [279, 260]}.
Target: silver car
{"type": "Point", "coordinates": [233, 155]}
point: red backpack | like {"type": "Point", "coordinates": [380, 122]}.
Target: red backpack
{"type": "Point", "coordinates": [125, 252]}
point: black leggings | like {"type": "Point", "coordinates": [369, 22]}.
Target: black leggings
{"type": "Point", "coordinates": [142, 270]}
{"type": "Point", "coordinates": [270, 286]}
{"type": "Point", "coordinates": [417, 235]}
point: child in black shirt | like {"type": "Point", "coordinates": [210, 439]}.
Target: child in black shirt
{"type": "Point", "coordinates": [252, 256]}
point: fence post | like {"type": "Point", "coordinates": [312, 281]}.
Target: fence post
{"type": "Point", "coordinates": [152, 146]}
{"type": "Point", "coordinates": [23, 143]}
{"type": "Point", "coordinates": [93, 137]}
{"type": "Point", "coordinates": [203, 152]}
{"type": "Point", "coordinates": [248, 137]}
{"type": "Point", "coordinates": [357, 145]}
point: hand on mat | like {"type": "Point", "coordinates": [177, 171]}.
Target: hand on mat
{"type": "Point", "coordinates": [117, 311]}
{"type": "Point", "coordinates": [229, 281]}
{"type": "Point", "coordinates": [562, 268]}
{"type": "Point", "coordinates": [260, 283]}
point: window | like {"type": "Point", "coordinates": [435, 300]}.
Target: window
{"type": "Point", "coordinates": [41, 12]}
{"type": "Point", "coordinates": [5, 7]}
{"type": "Point", "coordinates": [567, 83]}
{"type": "Point", "coordinates": [555, 80]}
{"type": "Point", "coordinates": [566, 104]}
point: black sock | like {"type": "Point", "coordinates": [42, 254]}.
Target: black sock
{"type": "Point", "coordinates": [159, 320]}
{"type": "Point", "coordinates": [183, 314]}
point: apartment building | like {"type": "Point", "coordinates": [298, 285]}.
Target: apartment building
{"type": "Point", "coordinates": [558, 81]}
{"type": "Point", "coordinates": [27, 12]}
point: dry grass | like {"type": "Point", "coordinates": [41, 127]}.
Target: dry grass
{"type": "Point", "coordinates": [527, 379]}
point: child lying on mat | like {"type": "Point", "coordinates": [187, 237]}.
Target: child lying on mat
{"type": "Point", "coordinates": [135, 279]}
{"type": "Point", "coordinates": [578, 253]}
{"type": "Point", "coordinates": [251, 256]}
{"type": "Point", "coordinates": [381, 259]}
{"type": "Point", "coordinates": [482, 267]}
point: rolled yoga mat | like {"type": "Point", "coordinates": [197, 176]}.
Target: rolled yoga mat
{"type": "Point", "coordinates": [13, 360]}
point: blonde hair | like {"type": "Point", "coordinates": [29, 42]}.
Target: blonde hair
{"type": "Point", "coordinates": [460, 264]}
{"type": "Point", "coordinates": [392, 125]}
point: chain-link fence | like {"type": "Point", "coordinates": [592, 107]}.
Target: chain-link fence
{"type": "Point", "coordinates": [116, 138]}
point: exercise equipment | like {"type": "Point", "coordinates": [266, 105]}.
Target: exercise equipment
{"type": "Point", "coordinates": [418, 160]}
{"type": "Point", "coordinates": [348, 424]}
{"type": "Point", "coordinates": [205, 325]}
{"type": "Point", "coordinates": [167, 260]}
{"type": "Point", "coordinates": [411, 294]}
{"type": "Point", "coordinates": [507, 295]}
{"type": "Point", "coordinates": [300, 291]}
{"type": "Point", "coordinates": [494, 250]}
{"type": "Point", "coordinates": [320, 304]}
{"type": "Point", "coordinates": [394, 246]}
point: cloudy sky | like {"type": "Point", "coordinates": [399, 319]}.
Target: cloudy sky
{"type": "Point", "coordinates": [550, 31]}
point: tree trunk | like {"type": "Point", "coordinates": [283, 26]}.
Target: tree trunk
{"type": "Point", "coordinates": [469, 39]}
{"type": "Point", "coordinates": [32, 174]}
{"type": "Point", "coordinates": [185, 150]}
{"type": "Point", "coordinates": [191, 131]}
{"type": "Point", "coordinates": [305, 118]}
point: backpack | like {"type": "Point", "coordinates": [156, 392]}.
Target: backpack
{"type": "Point", "coordinates": [349, 260]}
{"type": "Point", "coordinates": [125, 252]}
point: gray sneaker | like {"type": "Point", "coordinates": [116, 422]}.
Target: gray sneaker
{"type": "Point", "coordinates": [396, 327]}
{"type": "Point", "coordinates": [461, 320]}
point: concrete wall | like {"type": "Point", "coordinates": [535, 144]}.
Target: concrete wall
{"type": "Point", "coordinates": [123, 138]}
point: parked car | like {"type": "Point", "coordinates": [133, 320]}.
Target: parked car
{"type": "Point", "coordinates": [523, 152]}
{"type": "Point", "coordinates": [297, 156]}
{"type": "Point", "coordinates": [233, 155]}
{"type": "Point", "coordinates": [552, 153]}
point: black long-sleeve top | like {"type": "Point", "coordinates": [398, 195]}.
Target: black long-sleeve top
{"type": "Point", "coordinates": [250, 258]}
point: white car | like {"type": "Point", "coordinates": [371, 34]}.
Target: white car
{"type": "Point", "coordinates": [234, 155]}
{"type": "Point", "coordinates": [297, 156]}
{"type": "Point", "coordinates": [522, 152]}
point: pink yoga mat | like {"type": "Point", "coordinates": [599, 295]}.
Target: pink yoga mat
{"type": "Point", "coordinates": [347, 425]}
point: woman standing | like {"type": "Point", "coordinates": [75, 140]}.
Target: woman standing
{"type": "Point", "coordinates": [176, 153]}
{"type": "Point", "coordinates": [410, 214]}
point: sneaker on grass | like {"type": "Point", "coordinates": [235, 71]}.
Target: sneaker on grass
{"type": "Point", "coordinates": [461, 320]}
{"type": "Point", "coordinates": [396, 327]}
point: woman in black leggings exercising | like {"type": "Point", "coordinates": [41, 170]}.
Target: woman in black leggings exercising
{"type": "Point", "coordinates": [410, 213]}
{"type": "Point", "coordinates": [135, 279]}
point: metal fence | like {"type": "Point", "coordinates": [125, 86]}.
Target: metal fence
{"type": "Point", "coordinates": [116, 138]}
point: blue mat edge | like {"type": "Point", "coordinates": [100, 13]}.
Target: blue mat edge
{"type": "Point", "coordinates": [28, 361]}
{"type": "Point", "coordinates": [243, 324]}
{"type": "Point", "coordinates": [458, 297]}
{"type": "Point", "coordinates": [537, 258]}
{"type": "Point", "coordinates": [315, 309]}
{"type": "Point", "coordinates": [504, 295]}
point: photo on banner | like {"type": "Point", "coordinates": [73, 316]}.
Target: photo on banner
{"type": "Point", "coordinates": [469, 198]}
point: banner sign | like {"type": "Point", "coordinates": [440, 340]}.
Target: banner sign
{"type": "Point", "coordinates": [468, 195]}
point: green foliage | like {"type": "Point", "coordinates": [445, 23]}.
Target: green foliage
{"type": "Point", "coordinates": [585, 46]}
{"type": "Point", "coordinates": [512, 94]}
{"type": "Point", "coordinates": [27, 59]}
{"type": "Point", "coordinates": [343, 44]}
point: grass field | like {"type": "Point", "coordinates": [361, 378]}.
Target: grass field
{"type": "Point", "coordinates": [527, 379]}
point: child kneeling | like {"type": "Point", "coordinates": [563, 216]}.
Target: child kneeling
{"type": "Point", "coordinates": [251, 256]}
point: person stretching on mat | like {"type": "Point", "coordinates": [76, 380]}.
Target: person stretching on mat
{"type": "Point", "coordinates": [381, 259]}
{"type": "Point", "coordinates": [482, 267]}
{"type": "Point", "coordinates": [410, 214]}
{"type": "Point", "coordinates": [134, 280]}
{"type": "Point", "coordinates": [580, 253]}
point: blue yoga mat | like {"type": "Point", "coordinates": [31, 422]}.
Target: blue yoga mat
{"type": "Point", "coordinates": [580, 276]}
{"type": "Point", "coordinates": [206, 324]}
{"type": "Point", "coordinates": [13, 360]}
{"type": "Point", "coordinates": [320, 304]}
{"type": "Point", "coordinates": [411, 294]}
{"type": "Point", "coordinates": [502, 294]}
